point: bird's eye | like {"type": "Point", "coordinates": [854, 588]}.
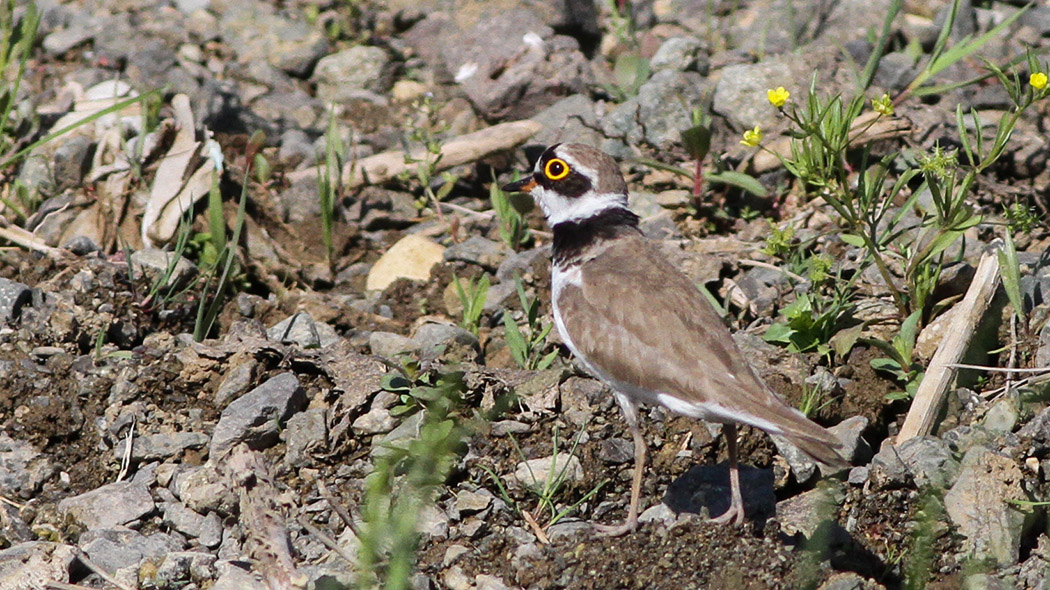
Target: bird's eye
{"type": "Point", "coordinates": [556, 169]}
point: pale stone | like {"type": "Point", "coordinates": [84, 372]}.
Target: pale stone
{"type": "Point", "coordinates": [410, 258]}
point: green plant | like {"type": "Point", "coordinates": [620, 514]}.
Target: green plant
{"type": "Point", "coordinates": [548, 491]}
{"type": "Point", "coordinates": [330, 181]}
{"type": "Point", "coordinates": [899, 362]}
{"type": "Point", "coordinates": [220, 267]}
{"type": "Point", "coordinates": [809, 322]}
{"type": "Point", "coordinates": [1020, 218]}
{"type": "Point", "coordinates": [418, 388]}
{"type": "Point", "coordinates": [406, 477]}
{"type": "Point", "coordinates": [16, 44]}
{"type": "Point", "coordinates": [1010, 271]}
{"type": "Point", "coordinates": [513, 228]}
{"type": "Point", "coordinates": [425, 131]}
{"type": "Point", "coordinates": [921, 557]}
{"type": "Point", "coordinates": [697, 142]}
{"type": "Point", "coordinates": [472, 298]}
{"type": "Point", "coordinates": [631, 68]}
{"type": "Point", "coordinates": [527, 348]}
{"type": "Point", "coordinates": [812, 400]}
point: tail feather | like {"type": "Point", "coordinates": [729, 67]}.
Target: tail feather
{"type": "Point", "coordinates": [823, 450]}
{"type": "Point", "coordinates": [812, 439]}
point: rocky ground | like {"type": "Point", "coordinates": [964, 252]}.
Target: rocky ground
{"type": "Point", "coordinates": [347, 393]}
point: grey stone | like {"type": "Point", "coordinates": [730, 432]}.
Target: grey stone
{"type": "Point", "coordinates": [297, 329]}
{"type": "Point", "coordinates": [295, 149]}
{"type": "Point", "coordinates": [858, 476]}
{"type": "Point", "coordinates": [188, 7]}
{"type": "Point", "coordinates": [375, 421]}
{"type": "Point", "coordinates": [72, 161]}
{"type": "Point", "coordinates": [573, 118]}
{"type": "Point", "coordinates": [31, 565]}
{"type": "Point", "coordinates": [848, 581]}
{"type": "Point", "coordinates": [468, 502]}
{"type": "Point", "coordinates": [1002, 416]}
{"type": "Point", "coordinates": [78, 32]}
{"type": "Point", "coordinates": [478, 251]}
{"type": "Point", "coordinates": [658, 114]}
{"type": "Point", "coordinates": [13, 296]}
{"type": "Point", "coordinates": [538, 472]}
{"type": "Point", "coordinates": [236, 381]}
{"type": "Point", "coordinates": [203, 489]}
{"type": "Point", "coordinates": [447, 341]}
{"type": "Point", "coordinates": [489, 582]}
{"type": "Point", "coordinates": [183, 519]}
{"type": "Point", "coordinates": [978, 505]}
{"type": "Point", "coordinates": [807, 511]}
{"type": "Point", "coordinates": [740, 95]}
{"type": "Point", "coordinates": [802, 466]}
{"type": "Point", "coordinates": [119, 547]}
{"type": "Point", "coordinates": [1035, 571]}
{"type": "Point", "coordinates": [855, 449]}
{"type": "Point", "coordinates": [529, 69]}
{"type": "Point", "coordinates": [261, 35]}
{"type": "Point", "coordinates": [23, 469]}
{"type": "Point", "coordinates": [433, 522]}
{"type": "Point", "coordinates": [108, 506]}
{"type": "Point", "coordinates": [233, 577]}
{"type": "Point", "coordinates": [256, 418]}
{"type": "Point", "coordinates": [211, 531]}
{"type": "Point", "coordinates": [986, 582]}
{"type": "Point", "coordinates": [523, 263]}
{"type": "Point", "coordinates": [400, 437]}
{"type": "Point", "coordinates": [660, 512]}
{"type": "Point", "coordinates": [616, 451]}
{"type": "Point", "coordinates": [183, 566]}
{"type": "Point", "coordinates": [679, 54]}
{"type": "Point", "coordinates": [390, 345]}
{"type": "Point", "coordinates": [453, 552]}
{"type": "Point", "coordinates": [82, 246]}
{"type": "Point", "coordinates": [922, 461]}
{"type": "Point", "coordinates": [306, 431]}
{"type": "Point", "coordinates": [342, 76]}
{"type": "Point", "coordinates": [154, 264]}
{"type": "Point", "coordinates": [160, 446]}
{"type": "Point", "coordinates": [567, 529]}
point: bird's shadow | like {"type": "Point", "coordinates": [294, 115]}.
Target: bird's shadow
{"type": "Point", "coordinates": [707, 487]}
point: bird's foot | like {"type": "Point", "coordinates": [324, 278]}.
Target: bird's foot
{"type": "Point", "coordinates": [735, 515]}
{"type": "Point", "coordinates": [619, 530]}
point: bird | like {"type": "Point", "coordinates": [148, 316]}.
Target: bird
{"type": "Point", "coordinates": [642, 327]}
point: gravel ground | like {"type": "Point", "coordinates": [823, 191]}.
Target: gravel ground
{"type": "Point", "coordinates": [339, 394]}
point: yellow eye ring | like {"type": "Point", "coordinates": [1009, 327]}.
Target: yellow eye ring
{"type": "Point", "coordinates": [556, 169]}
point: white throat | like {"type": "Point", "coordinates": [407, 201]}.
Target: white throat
{"type": "Point", "coordinates": [559, 209]}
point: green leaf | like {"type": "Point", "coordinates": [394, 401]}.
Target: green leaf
{"type": "Point", "coordinates": [853, 240]}
{"type": "Point", "coordinates": [515, 341]}
{"type": "Point", "coordinates": [779, 333]}
{"type": "Point", "coordinates": [844, 340]}
{"type": "Point", "coordinates": [740, 180]}
{"type": "Point", "coordinates": [887, 365]}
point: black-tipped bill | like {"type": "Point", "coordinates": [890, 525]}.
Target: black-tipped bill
{"type": "Point", "coordinates": [525, 185]}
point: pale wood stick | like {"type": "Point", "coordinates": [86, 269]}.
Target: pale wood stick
{"type": "Point", "coordinates": [461, 150]}
{"type": "Point", "coordinates": [966, 316]}
{"type": "Point", "coordinates": [262, 518]}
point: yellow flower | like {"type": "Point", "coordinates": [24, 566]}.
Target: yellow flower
{"type": "Point", "coordinates": [883, 105]}
{"type": "Point", "coordinates": [752, 137]}
{"type": "Point", "coordinates": [778, 97]}
{"type": "Point", "coordinates": [1037, 80]}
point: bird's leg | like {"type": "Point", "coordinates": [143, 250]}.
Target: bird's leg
{"type": "Point", "coordinates": [631, 414]}
{"type": "Point", "coordinates": [735, 514]}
